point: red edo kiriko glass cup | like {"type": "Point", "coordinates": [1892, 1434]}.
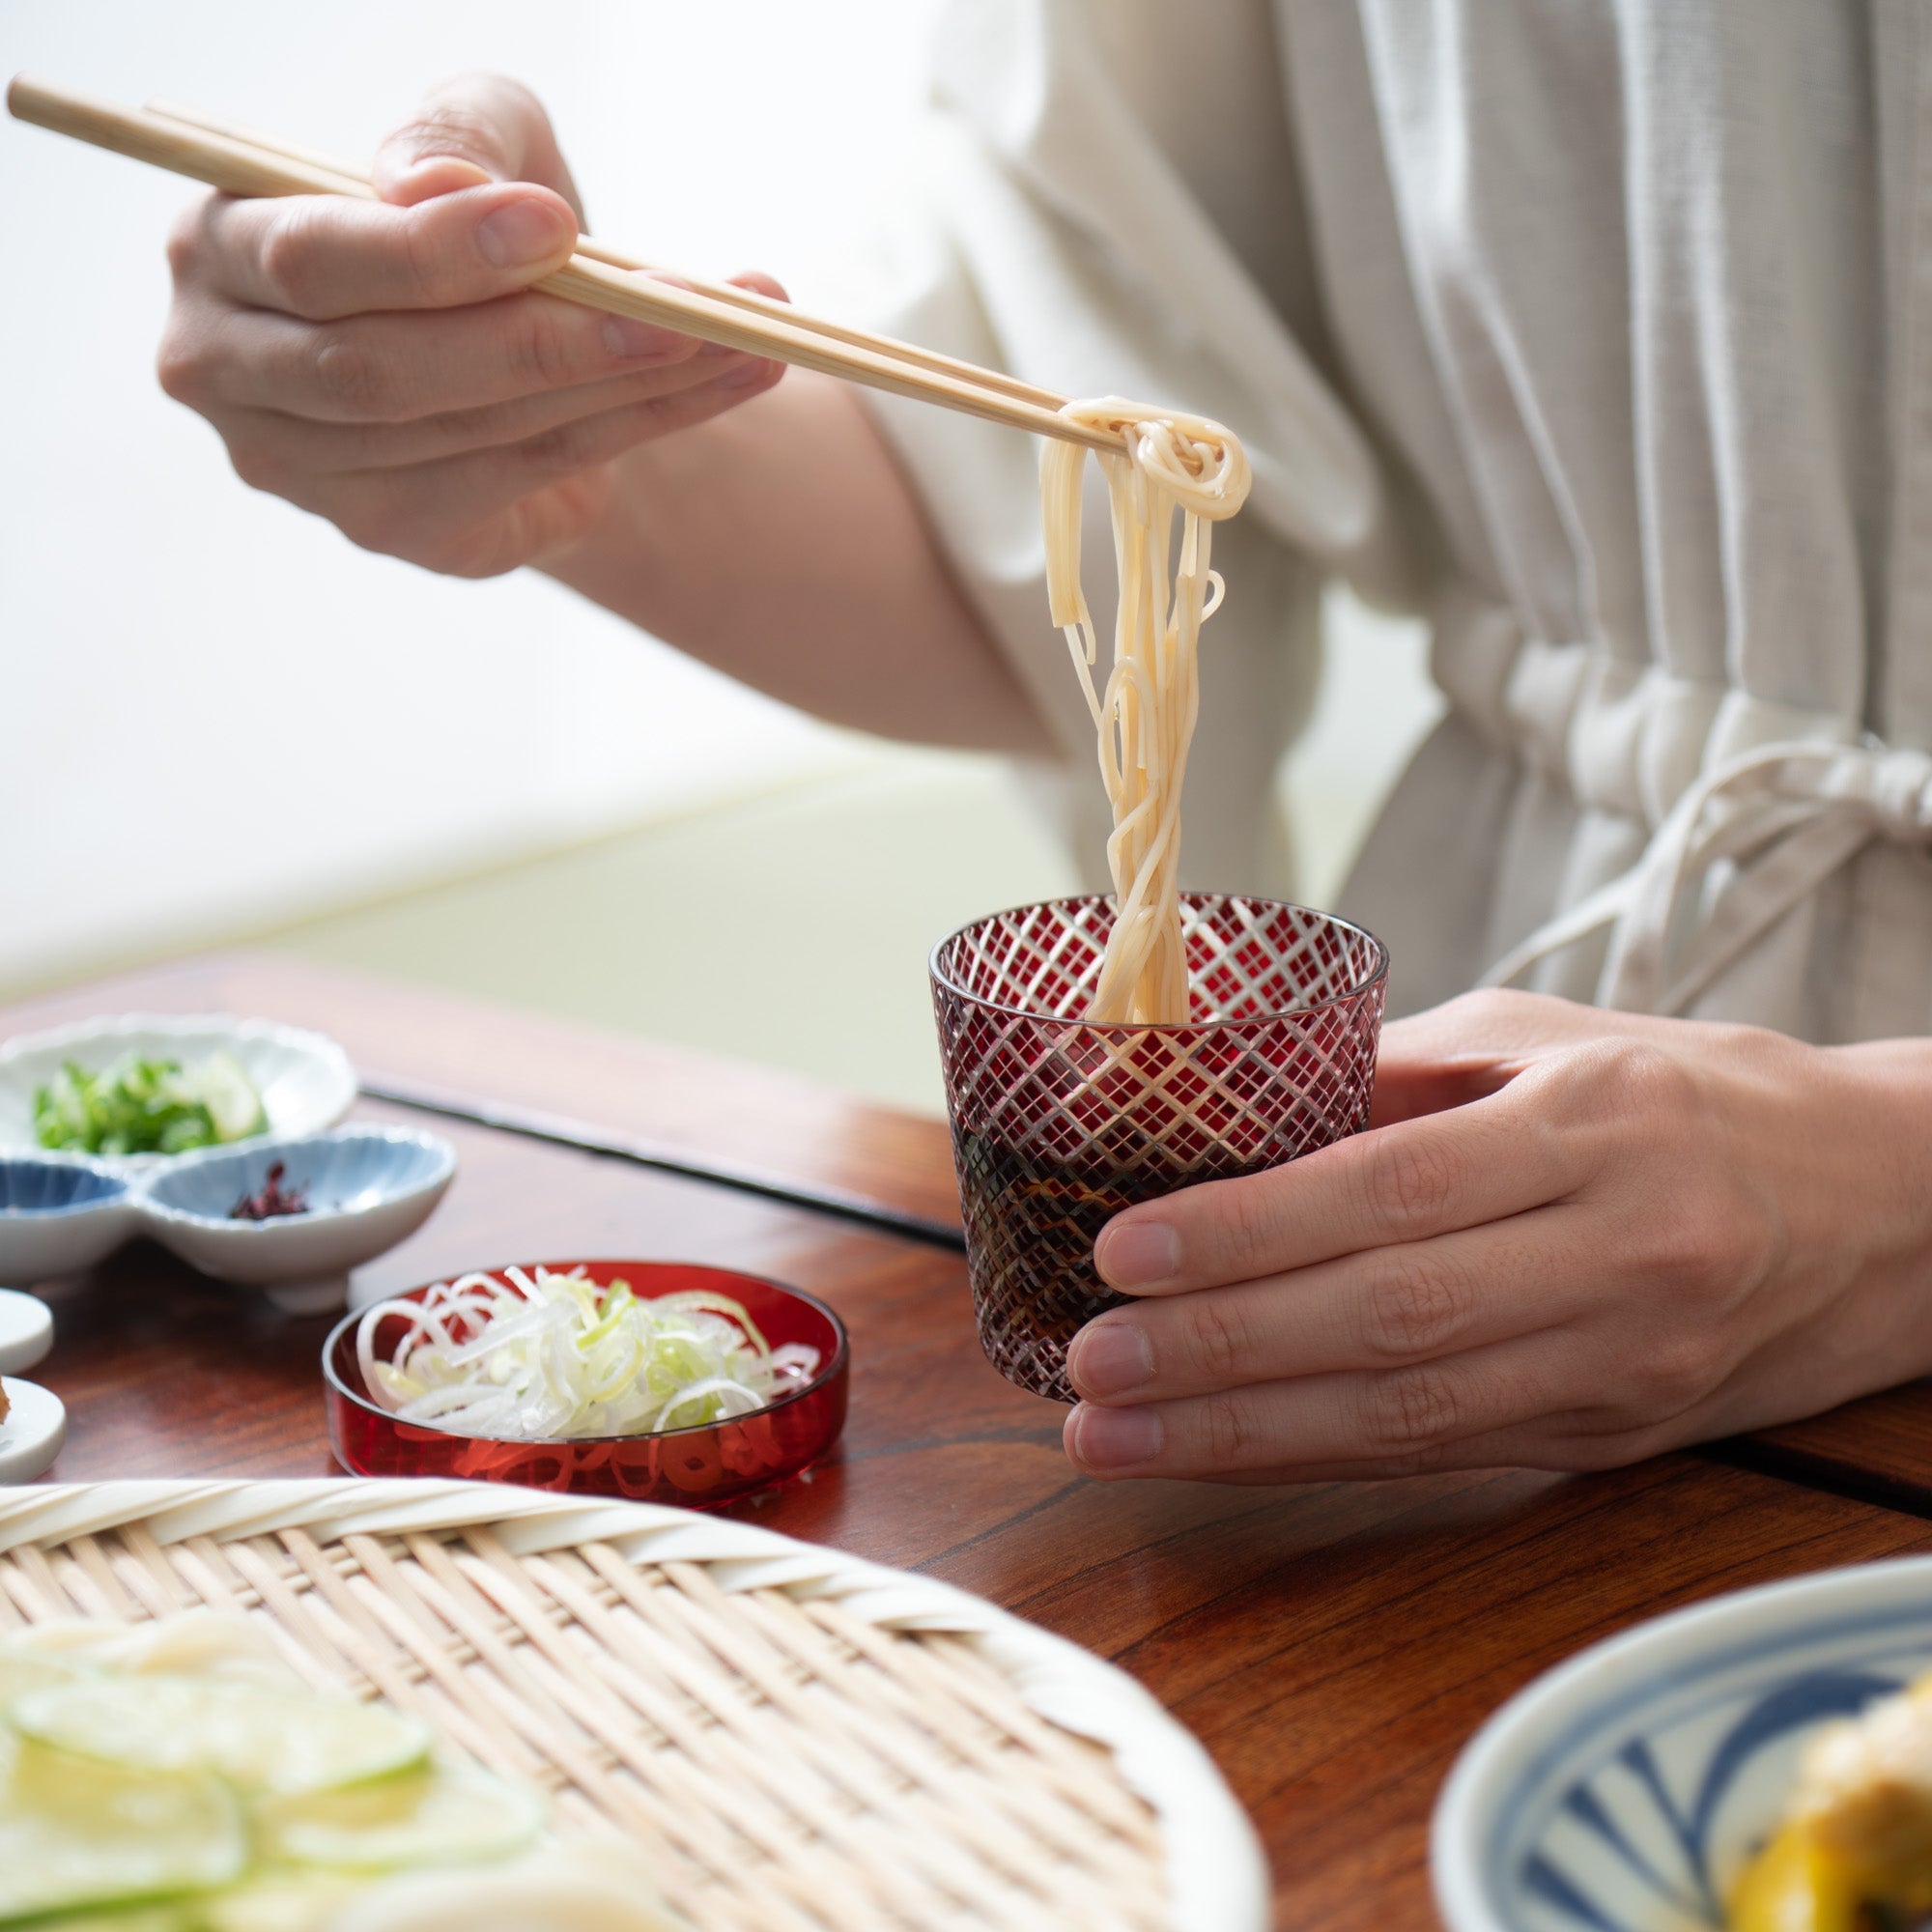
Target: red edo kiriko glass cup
{"type": "Point", "coordinates": [1058, 1124]}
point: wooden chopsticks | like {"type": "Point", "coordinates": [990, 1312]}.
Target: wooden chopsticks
{"type": "Point", "coordinates": [242, 162]}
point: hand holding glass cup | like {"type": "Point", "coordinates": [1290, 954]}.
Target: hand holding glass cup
{"type": "Point", "coordinates": [1059, 1124]}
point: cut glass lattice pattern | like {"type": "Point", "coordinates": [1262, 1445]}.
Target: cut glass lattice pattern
{"type": "Point", "coordinates": [1058, 1124]}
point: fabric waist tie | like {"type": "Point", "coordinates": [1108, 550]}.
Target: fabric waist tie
{"type": "Point", "coordinates": [1784, 817]}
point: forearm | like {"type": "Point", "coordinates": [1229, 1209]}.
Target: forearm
{"type": "Point", "coordinates": [781, 544]}
{"type": "Point", "coordinates": [388, 364]}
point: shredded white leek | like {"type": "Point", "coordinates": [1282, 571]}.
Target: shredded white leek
{"type": "Point", "coordinates": [524, 1360]}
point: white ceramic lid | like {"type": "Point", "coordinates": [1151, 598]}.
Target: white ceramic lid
{"type": "Point", "coordinates": [26, 1331]}
{"type": "Point", "coordinates": [33, 1433]}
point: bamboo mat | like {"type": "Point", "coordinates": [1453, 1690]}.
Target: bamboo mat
{"type": "Point", "coordinates": [800, 1742]}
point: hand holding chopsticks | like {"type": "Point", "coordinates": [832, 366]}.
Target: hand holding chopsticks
{"type": "Point", "coordinates": [244, 163]}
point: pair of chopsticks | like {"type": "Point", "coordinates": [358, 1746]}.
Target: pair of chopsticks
{"type": "Point", "coordinates": [242, 162]}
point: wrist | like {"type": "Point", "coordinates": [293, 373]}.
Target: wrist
{"type": "Point", "coordinates": [1886, 1109]}
{"type": "Point", "coordinates": [589, 561]}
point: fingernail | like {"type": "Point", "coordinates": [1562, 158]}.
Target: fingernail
{"type": "Point", "coordinates": [746, 376]}
{"type": "Point", "coordinates": [1110, 1357]}
{"type": "Point", "coordinates": [1113, 1438]}
{"type": "Point", "coordinates": [1137, 1255]}
{"type": "Point", "coordinates": [630, 340]}
{"type": "Point", "coordinates": [519, 234]}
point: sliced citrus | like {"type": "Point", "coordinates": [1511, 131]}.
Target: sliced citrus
{"type": "Point", "coordinates": [294, 1902]}
{"type": "Point", "coordinates": [445, 1815]}
{"type": "Point", "coordinates": [222, 1086]}
{"type": "Point", "coordinates": [260, 1740]}
{"type": "Point", "coordinates": [75, 1832]}
{"type": "Point", "coordinates": [566, 1889]}
{"type": "Point", "coordinates": [19, 1674]}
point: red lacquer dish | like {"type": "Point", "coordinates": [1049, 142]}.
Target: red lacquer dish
{"type": "Point", "coordinates": [697, 1468]}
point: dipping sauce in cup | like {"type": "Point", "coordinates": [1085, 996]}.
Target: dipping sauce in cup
{"type": "Point", "coordinates": [1059, 1124]}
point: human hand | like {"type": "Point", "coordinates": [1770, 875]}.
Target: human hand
{"type": "Point", "coordinates": [1568, 1240]}
{"type": "Point", "coordinates": [380, 364]}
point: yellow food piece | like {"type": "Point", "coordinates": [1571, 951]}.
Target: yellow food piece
{"type": "Point", "coordinates": [1866, 1784]}
{"type": "Point", "coordinates": [1857, 1828]}
{"type": "Point", "coordinates": [1796, 1884]}
{"type": "Point", "coordinates": [1805, 1882]}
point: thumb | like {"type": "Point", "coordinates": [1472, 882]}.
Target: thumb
{"type": "Point", "coordinates": [1477, 1043]}
{"type": "Point", "coordinates": [1446, 1057]}
{"type": "Point", "coordinates": [475, 128]}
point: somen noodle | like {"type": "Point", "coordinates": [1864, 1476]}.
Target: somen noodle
{"type": "Point", "coordinates": [1145, 715]}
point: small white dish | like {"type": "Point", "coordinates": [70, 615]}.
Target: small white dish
{"type": "Point", "coordinates": [304, 1079]}
{"type": "Point", "coordinates": [367, 1187]}
{"type": "Point", "coordinates": [26, 1331]}
{"type": "Point", "coordinates": [1626, 1789]}
{"type": "Point", "coordinates": [33, 1432]}
{"type": "Point", "coordinates": [59, 1215]}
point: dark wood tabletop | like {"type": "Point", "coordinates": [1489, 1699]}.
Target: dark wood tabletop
{"type": "Point", "coordinates": [1332, 1645]}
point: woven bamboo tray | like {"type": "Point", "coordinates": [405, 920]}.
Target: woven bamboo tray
{"type": "Point", "coordinates": [803, 1742]}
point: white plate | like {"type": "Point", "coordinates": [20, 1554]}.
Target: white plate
{"type": "Point", "coordinates": [33, 1434]}
{"type": "Point", "coordinates": [26, 1331]}
{"type": "Point", "coordinates": [1627, 1787]}
{"type": "Point", "coordinates": [305, 1080]}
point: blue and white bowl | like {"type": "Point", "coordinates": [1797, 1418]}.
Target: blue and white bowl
{"type": "Point", "coordinates": [1624, 1790]}
{"type": "Point", "coordinates": [367, 1187]}
{"type": "Point", "coordinates": [57, 1218]}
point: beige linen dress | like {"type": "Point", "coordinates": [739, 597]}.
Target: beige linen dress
{"type": "Point", "coordinates": [1601, 333]}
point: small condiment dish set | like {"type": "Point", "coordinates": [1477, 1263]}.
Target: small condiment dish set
{"type": "Point", "coordinates": [364, 1186]}
{"type": "Point", "coordinates": [361, 1188]}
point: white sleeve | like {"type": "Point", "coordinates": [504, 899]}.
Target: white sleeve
{"type": "Point", "coordinates": [1094, 209]}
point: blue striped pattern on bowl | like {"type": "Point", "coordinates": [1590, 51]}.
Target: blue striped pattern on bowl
{"type": "Point", "coordinates": [341, 1173]}
{"type": "Point", "coordinates": [1624, 1791]}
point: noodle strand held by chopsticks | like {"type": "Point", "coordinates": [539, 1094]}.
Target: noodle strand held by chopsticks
{"type": "Point", "coordinates": [1144, 714]}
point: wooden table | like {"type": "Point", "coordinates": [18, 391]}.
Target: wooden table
{"type": "Point", "coordinates": [1332, 1645]}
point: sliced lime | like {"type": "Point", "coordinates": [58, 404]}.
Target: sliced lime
{"type": "Point", "coordinates": [222, 1086]}
{"type": "Point", "coordinates": [449, 1814]}
{"type": "Point", "coordinates": [259, 1739]}
{"type": "Point", "coordinates": [133, 1918]}
{"type": "Point", "coordinates": [566, 1889]}
{"type": "Point", "coordinates": [193, 1643]}
{"type": "Point", "coordinates": [19, 1674]}
{"type": "Point", "coordinates": [75, 1832]}
{"type": "Point", "coordinates": [294, 1902]}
